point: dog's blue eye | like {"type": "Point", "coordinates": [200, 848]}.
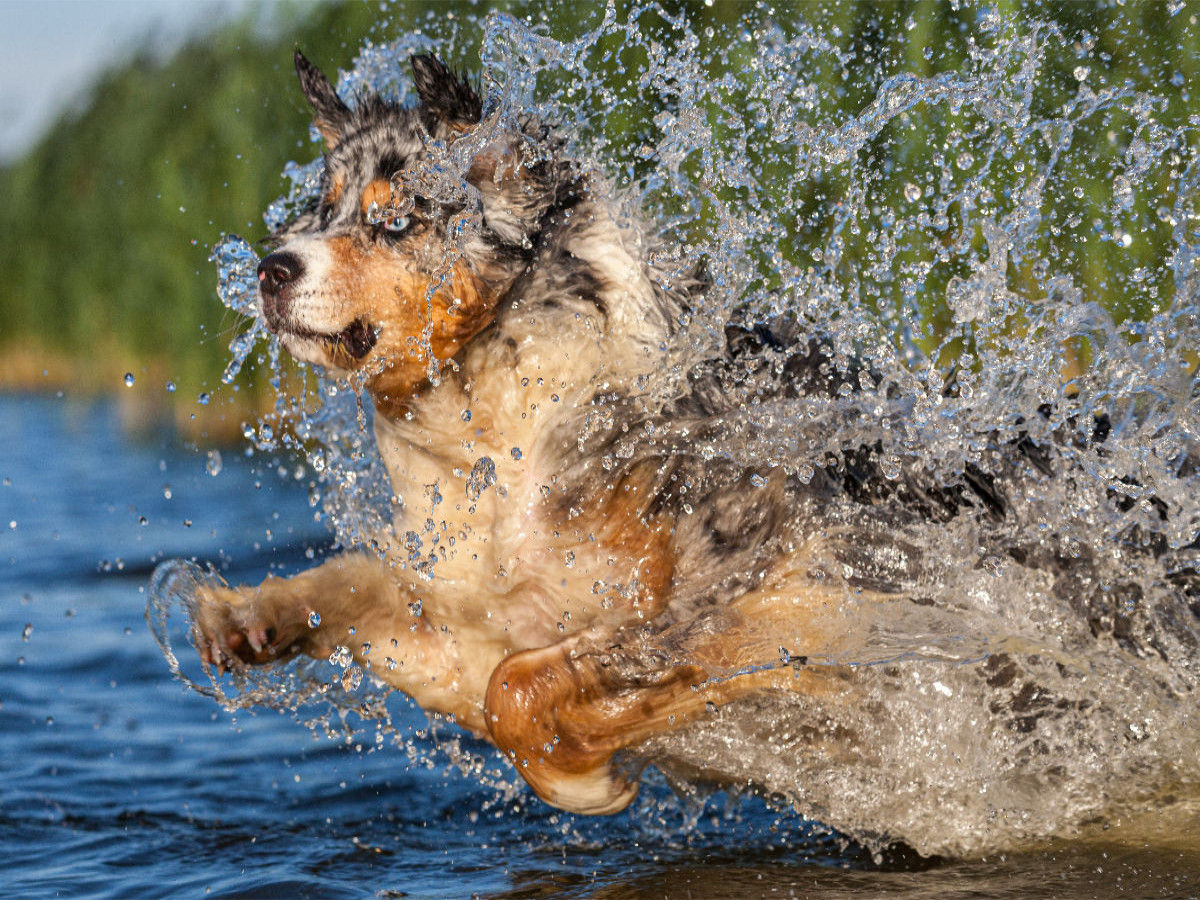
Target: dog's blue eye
{"type": "Point", "coordinates": [394, 222]}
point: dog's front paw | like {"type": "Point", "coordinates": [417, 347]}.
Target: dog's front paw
{"type": "Point", "coordinates": [246, 624]}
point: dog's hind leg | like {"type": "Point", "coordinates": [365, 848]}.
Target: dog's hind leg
{"type": "Point", "coordinates": [561, 713]}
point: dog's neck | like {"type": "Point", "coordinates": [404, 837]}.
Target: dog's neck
{"type": "Point", "coordinates": [515, 399]}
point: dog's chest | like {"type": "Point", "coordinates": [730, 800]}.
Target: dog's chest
{"type": "Point", "coordinates": [480, 524]}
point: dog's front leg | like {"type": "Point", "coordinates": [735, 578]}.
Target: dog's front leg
{"type": "Point", "coordinates": [309, 613]}
{"type": "Point", "coordinates": [363, 604]}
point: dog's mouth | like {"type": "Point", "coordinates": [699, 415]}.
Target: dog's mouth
{"type": "Point", "coordinates": [356, 340]}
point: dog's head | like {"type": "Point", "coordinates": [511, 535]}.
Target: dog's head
{"type": "Point", "coordinates": [377, 276]}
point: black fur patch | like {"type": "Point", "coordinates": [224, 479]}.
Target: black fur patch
{"type": "Point", "coordinates": [447, 98]}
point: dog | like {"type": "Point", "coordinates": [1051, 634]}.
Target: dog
{"type": "Point", "coordinates": [569, 574]}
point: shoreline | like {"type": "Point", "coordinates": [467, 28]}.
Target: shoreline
{"type": "Point", "coordinates": [153, 402]}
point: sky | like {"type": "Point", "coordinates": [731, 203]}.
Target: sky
{"type": "Point", "coordinates": [52, 50]}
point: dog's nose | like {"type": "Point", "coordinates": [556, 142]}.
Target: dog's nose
{"type": "Point", "coordinates": [275, 273]}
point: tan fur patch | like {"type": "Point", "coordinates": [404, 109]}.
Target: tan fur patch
{"type": "Point", "coordinates": [331, 132]}
{"type": "Point", "coordinates": [336, 187]}
{"type": "Point", "coordinates": [378, 192]}
{"type": "Point", "coordinates": [391, 293]}
{"type": "Point", "coordinates": [625, 531]}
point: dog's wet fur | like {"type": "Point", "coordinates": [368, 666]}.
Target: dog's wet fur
{"type": "Point", "coordinates": [569, 573]}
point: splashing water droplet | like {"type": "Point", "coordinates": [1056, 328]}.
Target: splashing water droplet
{"type": "Point", "coordinates": [213, 463]}
{"type": "Point", "coordinates": [352, 679]}
{"type": "Point", "coordinates": [1123, 192]}
{"type": "Point", "coordinates": [314, 619]}
{"type": "Point", "coordinates": [237, 274]}
{"type": "Point", "coordinates": [483, 476]}
{"type": "Point", "coordinates": [129, 379]}
{"type": "Point", "coordinates": [891, 467]}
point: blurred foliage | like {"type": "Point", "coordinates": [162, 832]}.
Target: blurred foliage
{"type": "Point", "coordinates": [109, 220]}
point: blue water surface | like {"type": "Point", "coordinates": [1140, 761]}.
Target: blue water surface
{"type": "Point", "coordinates": [120, 782]}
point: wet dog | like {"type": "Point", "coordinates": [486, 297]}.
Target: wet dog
{"type": "Point", "coordinates": [571, 571]}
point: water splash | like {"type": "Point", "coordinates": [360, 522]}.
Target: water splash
{"type": "Point", "coordinates": [1003, 250]}
{"type": "Point", "coordinates": [237, 286]}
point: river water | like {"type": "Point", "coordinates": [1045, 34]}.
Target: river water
{"type": "Point", "coordinates": [119, 783]}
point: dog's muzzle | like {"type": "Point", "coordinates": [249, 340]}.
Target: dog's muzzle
{"type": "Point", "coordinates": [278, 274]}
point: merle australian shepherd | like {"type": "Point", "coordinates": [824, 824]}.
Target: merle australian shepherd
{"type": "Point", "coordinates": [597, 579]}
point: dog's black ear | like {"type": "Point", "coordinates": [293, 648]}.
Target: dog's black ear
{"type": "Point", "coordinates": [446, 98]}
{"type": "Point", "coordinates": [330, 114]}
